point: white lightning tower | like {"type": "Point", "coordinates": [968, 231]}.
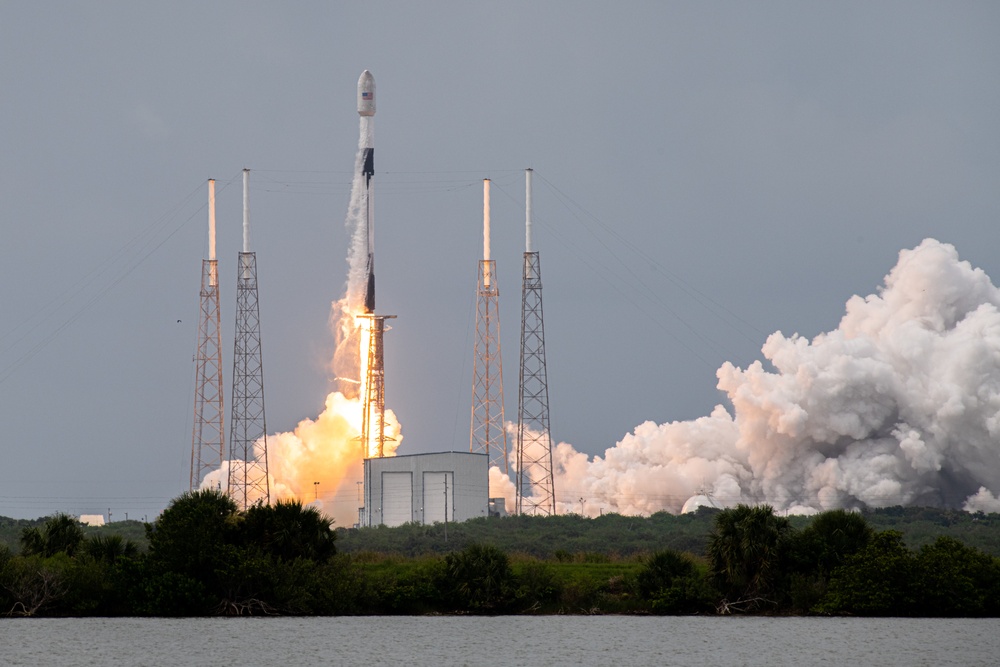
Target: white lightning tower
{"type": "Point", "coordinates": [487, 433]}
{"type": "Point", "coordinates": [208, 442]}
{"type": "Point", "coordinates": [535, 478]}
{"type": "Point", "coordinates": [248, 475]}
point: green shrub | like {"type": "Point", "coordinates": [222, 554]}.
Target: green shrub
{"type": "Point", "coordinates": [955, 580]}
{"type": "Point", "coordinates": [479, 579]}
{"type": "Point", "coordinates": [672, 584]}
{"type": "Point", "coordinates": [537, 586]}
{"type": "Point", "coordinates": [876, 581]}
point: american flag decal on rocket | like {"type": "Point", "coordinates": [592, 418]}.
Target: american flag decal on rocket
{"type": "Point", "coordinates": [366, 94]}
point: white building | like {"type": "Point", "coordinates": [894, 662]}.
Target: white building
{"type": "Point", "coordinates": [426, 488]}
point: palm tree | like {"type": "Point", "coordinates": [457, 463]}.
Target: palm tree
{"type": "Point", "coordinates": [287, 530]}
{"type": "Point", "coordinates": [110, 548]}
{"type": "Point", "coordinates": [832, 537]}
{"type": "Point", "coordinates": [61, 533]}
{"type": "Point", "coordinates": [746, 552]}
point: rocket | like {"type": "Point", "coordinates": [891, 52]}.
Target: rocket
{"type": "Point", "coordinates": [366, 109]}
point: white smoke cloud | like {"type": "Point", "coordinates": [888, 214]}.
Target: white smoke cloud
{"type": "Point", "coordinates": [346, 362]}
{"type": "Point", "coordinates": [900, 404]}
{"type": "Point", "coordinates": [501, 486]}
{"type": "Point", "coordinates": [982, 501]}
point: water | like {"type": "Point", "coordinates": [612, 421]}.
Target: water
{"type": "Point", "coordinates": [549, 641]}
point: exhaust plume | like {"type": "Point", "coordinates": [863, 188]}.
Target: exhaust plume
{"type": "Point", "coordinates": [327, 450]}
{"type": "Point", "coordinates": [899, 405]}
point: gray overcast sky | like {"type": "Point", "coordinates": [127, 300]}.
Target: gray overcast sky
{"type": "Point", "coordinates": [707, 173]}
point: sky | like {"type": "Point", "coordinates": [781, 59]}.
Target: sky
{"type": "Point", "coordinates": [706, 174]}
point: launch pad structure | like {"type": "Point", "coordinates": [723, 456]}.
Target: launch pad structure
{"type": "Point", "coordinates": [487, 433]}
{"type": "Point", "coordinates": [208, 439]}
{"type": "Point", "coordinates": [248, 475]}
{"type": "Point", "coordinates": [373, 436]}
{"type": "Point", "coordinates": [248, 480]}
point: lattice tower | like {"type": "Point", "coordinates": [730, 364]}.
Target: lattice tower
{"type": "Point", "coordinates": [248, 478]}
{"type": "Point", "coordinates": [487, 433]}
{"type": "Point", "coordinates": [373, 436]}
{"type": "Point", "coordinates": [535, 479]}
{"type": "Point", "coordinates": [208, 442]}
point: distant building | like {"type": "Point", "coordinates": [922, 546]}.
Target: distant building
{"type": "Point", "coordinates": [92, 519]}
{"type": "Point", "coordinates": [425, 488]}
{"type": "Point", "coordinates": [498, 507]}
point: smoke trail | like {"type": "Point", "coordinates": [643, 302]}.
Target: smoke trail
{"type": "Point", "coordinates": [346, 361]}
{"type": "Point", "coordinates": [322, 457]}
{"type": "Point", "coordinates": [900, 404]}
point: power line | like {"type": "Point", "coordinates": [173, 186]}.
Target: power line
{"type": "Point", "coordinates": [132, 260]}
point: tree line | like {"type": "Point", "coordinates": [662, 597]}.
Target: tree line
{"type": "Point", "coordinates": [625, 535]}
{"type": "Point", "coordinates": [205, 557]}
{"type": "Point", "coordinates": [612, 534]}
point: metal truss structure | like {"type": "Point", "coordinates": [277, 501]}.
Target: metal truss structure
{"type": "Point", "coordinates": [535, 479]}
{"type": "Point", "coordinates": [487, 433]}
{"type": "Point", "coordinates": [373, 436]}
{"type": "Point", "coordinates": [208, 441]}
{"type": "Point", "coordinates": [248, 478]}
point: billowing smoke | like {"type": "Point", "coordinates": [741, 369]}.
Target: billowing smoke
{"type": "Point", "coordinates": [327, 450]}
{"type": "Point", "coordinates": [346, 361]}
{"type": "Point", "coordinates": [501, 486]}
{"type": "Point", "coordinates": [899, 405]}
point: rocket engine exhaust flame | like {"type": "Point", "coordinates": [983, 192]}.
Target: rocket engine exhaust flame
{"type": "Point", "coordinates": [323, 455]}
{"type": "Point", "coordinates": [899, 405]}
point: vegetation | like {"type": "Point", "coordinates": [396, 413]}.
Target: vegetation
{"type": "Point", "coordinates": [11, 529]}
{"type": "Point", "coordinates": [610, 534]}
{"type": "Point", "coordinates": [748, 552]}
{"type": "Point", "coordinates": [541, 536]}
{"type": "Point", "coordinates": [618, 535]}
{"type": "Point", "coordinates": [203, 556]}
{"type": "Point", "coordinates": [674, 584]}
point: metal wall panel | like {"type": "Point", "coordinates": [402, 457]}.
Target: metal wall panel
{"type": "Point", "coordinates": [394, 488]}
{"type": "Point", "coordinates": [437, 507]}
{"type": "Point", "coordinates": [397, 498]}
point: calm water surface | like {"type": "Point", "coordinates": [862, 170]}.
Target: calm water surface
{"type": "Point", "coordinates": [548, 641]}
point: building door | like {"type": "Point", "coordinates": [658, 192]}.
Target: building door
{"type": "Point", "coordinates": [397, 498]}
{"type": "Point", "coordinates": [439, 497]}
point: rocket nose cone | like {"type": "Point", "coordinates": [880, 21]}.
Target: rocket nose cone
{"type": "Point", "coordinates": [366, 94]}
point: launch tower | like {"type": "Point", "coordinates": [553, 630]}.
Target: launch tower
{"type": "Point", "coordinates": [208, 440]}
{"type": "Point", "coordinates": [373, 436]}
{"type": "Point", "coordinates": [535, 479]}
{"type": "Point", "coordinates": [248, 478]}
{"type": "Point", "coordinates": [487, 433]}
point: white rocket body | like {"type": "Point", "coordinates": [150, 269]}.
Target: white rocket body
{"type": "Point", "coordinates": [366, 109]}
{"type": "Point", "coordinates": [366, 94]}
